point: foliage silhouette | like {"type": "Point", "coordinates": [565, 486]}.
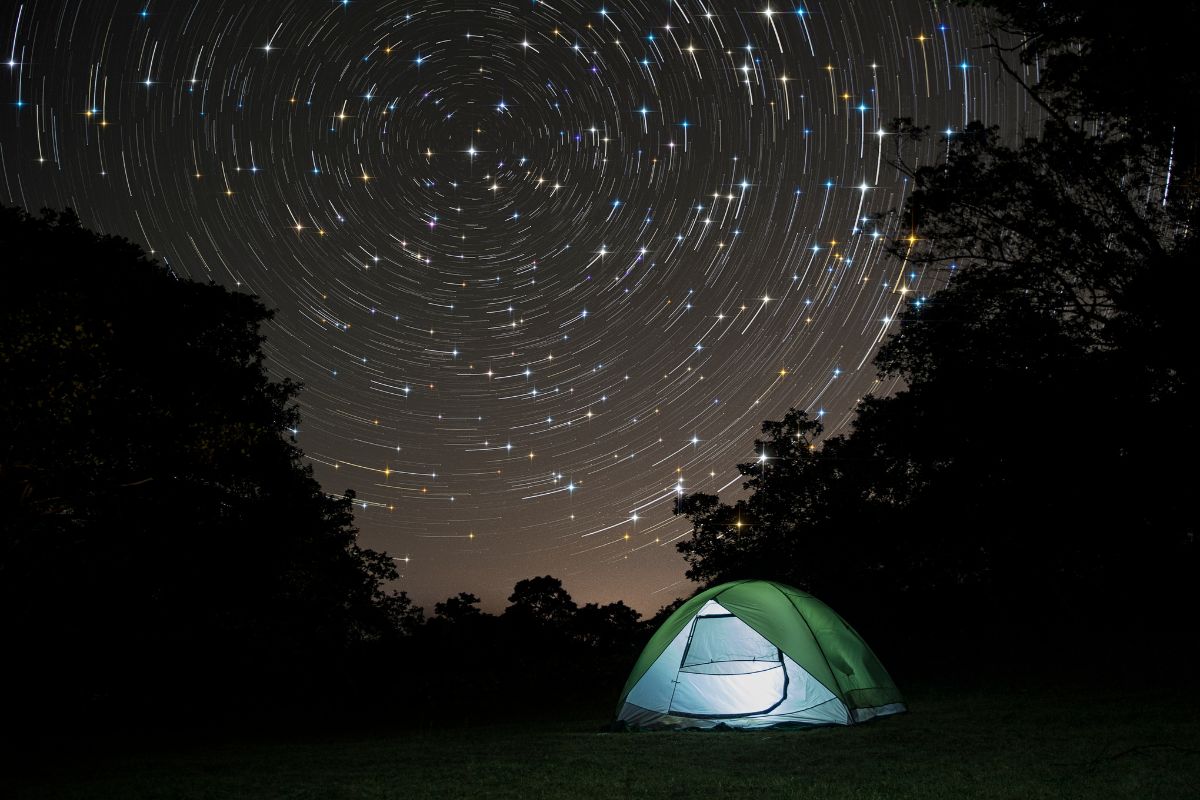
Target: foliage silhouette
{"type": "Point", "coordinates": [164, 554]}
{"type": "Point", "coordinates": [540, 602]}
{"type": "Point", "coordinates": [1030, 464]}
{"type": "Point", "coordinates": [544, 653]}
{"type": "Point", "coordinates": [457, 610]}
{"type": "Point", "coordinates": [161, 545]}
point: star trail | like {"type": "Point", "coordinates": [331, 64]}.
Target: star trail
{"type": "Point", "coordinates": [541, 267]}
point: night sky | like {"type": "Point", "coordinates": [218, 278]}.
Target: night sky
{"type": "Point", "coordinates": [540, 266]}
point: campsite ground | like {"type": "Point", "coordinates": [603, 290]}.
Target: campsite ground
{"type": "Point", "coordinates": [1020, 738]}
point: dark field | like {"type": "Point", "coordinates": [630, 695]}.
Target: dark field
{"type": "Point", "coordinates": [1022, 741]}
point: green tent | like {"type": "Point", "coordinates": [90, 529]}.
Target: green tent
{"type": "Point", "coordinates": [756, 654]}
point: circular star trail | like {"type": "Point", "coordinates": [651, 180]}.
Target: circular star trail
{"type": "Point", "coordinates": [540, 266]}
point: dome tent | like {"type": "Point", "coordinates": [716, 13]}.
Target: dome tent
{"type": "Point", "coordinates": [755, 654]}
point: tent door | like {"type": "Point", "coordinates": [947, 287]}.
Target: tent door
{"type": "Point", "coordinates": [728, 670]}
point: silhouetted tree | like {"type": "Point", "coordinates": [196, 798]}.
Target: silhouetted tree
{"type": "Point", "coordinates": [542, 653]}
{"type": "Point", "coordinates": [742, 540]}
{"type": "Point", "coordinates": [540, 602]}
{"type": "Point", "coordinates": [160, 537]}
{"type": "Point", "coordinates": [463, 607]}
{"type": "Point", "coordinates": [610, 628]}
{"type": "Point", "coordinates": [404, 617]}
{"type": "Point", "coordinates": [1028, 465]}
{"type": "Point", "coordinates": [1068, 254]}
{"type": "Point", "coordinates": [1091, 64]}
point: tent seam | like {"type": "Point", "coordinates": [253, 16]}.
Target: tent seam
{"type": "Point", "coordinates": [840, 693]}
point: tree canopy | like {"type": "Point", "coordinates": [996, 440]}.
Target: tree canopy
{"type": "Point", "coordinates": [1031, 458]}
{"type": "Point", "coordinates": [163, 548]}
{"type": "Point", "coordinates": [158, 528]}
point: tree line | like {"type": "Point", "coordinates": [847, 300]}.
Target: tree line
{"type": "Point", "coordinates": [543, 655]}
{"type": "Point", "coordinates": [166, 554]}
{"type": "Point", "coordinates": [1033, 476]}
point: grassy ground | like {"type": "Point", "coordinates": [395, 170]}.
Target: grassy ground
{"type": "Point", "coordinates": [1002, 742]}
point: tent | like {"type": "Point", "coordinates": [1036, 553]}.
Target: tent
{"type": "Point", "coordinates": [755, 654]}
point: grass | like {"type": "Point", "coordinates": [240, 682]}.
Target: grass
{"type": "Point", "coordinates": [1000, 742]}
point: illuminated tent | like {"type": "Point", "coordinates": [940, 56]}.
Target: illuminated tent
{"type": "Point", "coordinates": [756, 654]}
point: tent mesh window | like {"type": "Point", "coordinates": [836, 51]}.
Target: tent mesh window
{"type": "Point", "coordinates": [728, 670]}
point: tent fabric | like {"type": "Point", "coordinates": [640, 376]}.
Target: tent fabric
{"type": "Point", "coordinates": [755, 654]}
